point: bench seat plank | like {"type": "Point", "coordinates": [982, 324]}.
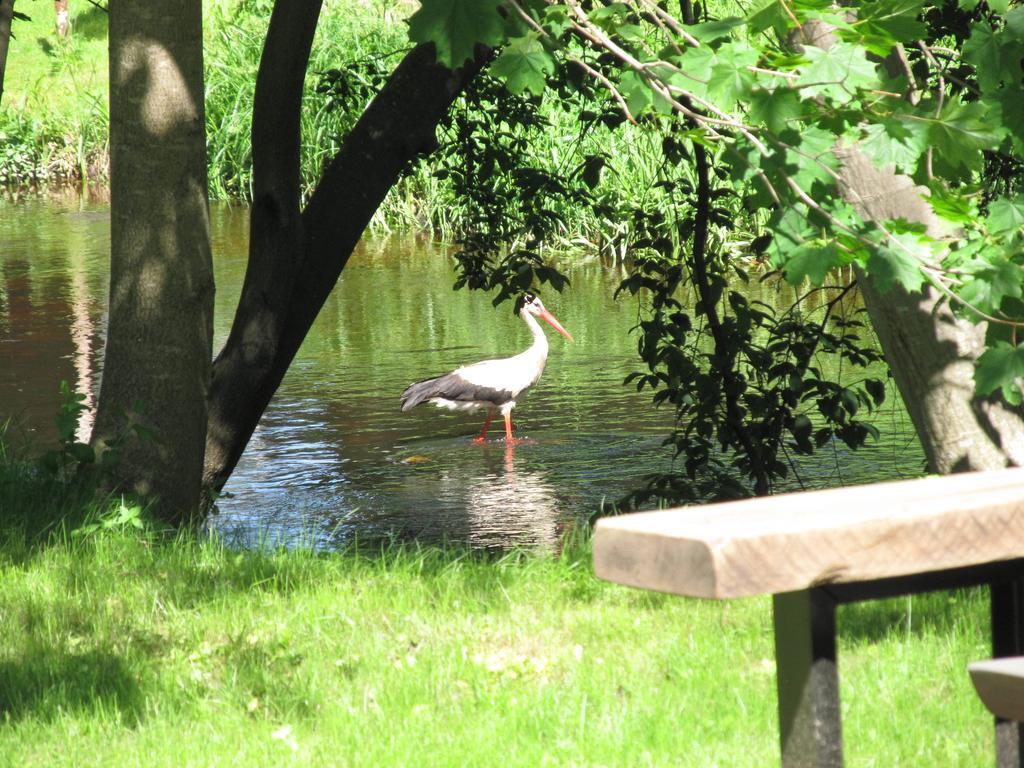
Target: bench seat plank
{"type": "Point", "coordinates": [802, 540]}
{"type": "Point", "coordinates": [1000, 685]}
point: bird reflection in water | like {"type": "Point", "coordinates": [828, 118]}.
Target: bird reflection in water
{"type": "Point", "coordinates": [511, 505]}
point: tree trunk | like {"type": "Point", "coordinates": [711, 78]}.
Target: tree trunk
{"type": "Point", "coordinates": [931, 352]}
{"type": "Point", "coordinates": [61, 18]}
{"type": "Point", "coordinates": [161, 281]}
{"type": "Point", "coordinates": [295, 260]}
{"type": "Point", "coordinates": [6, 17]}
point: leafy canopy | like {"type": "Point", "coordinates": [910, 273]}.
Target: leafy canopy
{"type": "Point", "coordinates": [775, 93]}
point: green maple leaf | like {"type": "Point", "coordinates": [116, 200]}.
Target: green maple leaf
{"type": "Point", "coordinates": [960, 133]}
{"type": "Point", "coordinates": [790, 232]}
{"type": "Point", "coordinates": [770, 15]}
{"type": "Point", "coordinates": [837, 72]}
{"type": "Point", "coordinates": [1015, 23]}
{"type": "Point", "coordinates": [991, 284]}
{"type": "Point", "coordinates": [731, 79]}
{"type": "Point", "coordinates": [811, 262]}
{"type": "Point", "coordinates": [1006, 215]}
{"type": "Point", "coordinates": [710, 31]}
{"type": "Point", "coordinates": [1001, 367]}
{"type": "Point", "coordinates": [456, 26]}
{"type": "Point", "coordinates": [899, 262]}
{"type": "Point", "coordinates": [882, 24]}
{"type": "Point", "coordinates": [636, 92]}
{"type": "Point", "coordinates": [995, 55]}
{"type": "Point", "coordinates": [896, 143]}
{"type": "Point", "coordinates": [1008, 112]}
{"type": "Point", "coordinates": [524, 65]}
{"type": "Point", "coordinates": [983, 50]}
{"type": "Point", "coordinates": [952, 205]}
{"type": "Point", "coordinates": [813, 158]}
{"type": "Point", "coordinates": [694, 70]}
{"type": "Point", "coordinates": [774, 109]}
{"type": "Point", "coordinates": [609, 17]}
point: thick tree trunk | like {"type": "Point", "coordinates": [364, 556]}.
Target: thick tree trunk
{"type": "Point", "coordinates": [6, 17]}
{"type": "Point", "coordinates": [161, 285]}
{"type": "Point", "coordinates": [294, 261]}
{"type": "Point", "coordinates": [930, 351]}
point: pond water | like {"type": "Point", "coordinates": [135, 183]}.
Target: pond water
{"type": "Point", "coordinates": [334, 457]}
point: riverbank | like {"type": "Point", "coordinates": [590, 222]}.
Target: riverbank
{"type": "Point", "coordinates": [119, 645]}
{"type": "Point", "coordinates": [54, 124]}
{"type": "Point", "coordinates": [54, 121]}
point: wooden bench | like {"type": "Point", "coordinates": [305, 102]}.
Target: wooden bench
{"type": "Point", "coordinates": [1000, 686]}
{"type": "Point", "coordinates": [815, 550]}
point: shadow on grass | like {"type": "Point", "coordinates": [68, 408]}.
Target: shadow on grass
{"type": "Point", "coordinates": [43, 685]}
{"type": "Point", "coordinates": [932, 613]}
{"type": "Point", "coordinates": [36, 512]}
{"type": "Point", "coordinates": [90, 24]}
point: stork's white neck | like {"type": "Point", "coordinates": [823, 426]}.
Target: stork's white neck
{"type": "Point", "coordinates": [539, 348]}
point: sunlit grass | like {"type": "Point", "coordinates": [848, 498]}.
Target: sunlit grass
{"type": "Point", "coordinates": [125, 647]}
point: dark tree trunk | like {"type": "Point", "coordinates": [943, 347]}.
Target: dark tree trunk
{"type": "Point", "coordinates": [295, 259]}
{"type": "Point", "coordinates": [6, 17]}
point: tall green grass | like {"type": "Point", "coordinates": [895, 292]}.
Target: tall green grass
{"type": "Point", "coordinates": [54, 122]}
{"type": "Point", "coordinates": [421, 200]}
{"type": "Point", "coordinates": [346, 33]}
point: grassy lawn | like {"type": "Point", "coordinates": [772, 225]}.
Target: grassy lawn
{"type": "Point", "coordinates": [50, 75]}
{"type": "Point", "coordinates": [119, 648]}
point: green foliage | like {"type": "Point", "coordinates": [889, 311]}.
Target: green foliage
{"type": "Point", "coordinates": [456, 27]}
{"type": "Point", "coordinates": [837, 73]}
{"type": "Point", "coordinates": [514, 201]}
{"type": "Point", "coordinates": [74, 461]}
{"type": "Point", "coordinates": [71, 454]}
{"type": "Point", "coordinates": [897, 260]}
{"type": "Point", "coordinates": [120, 516]}
{"type": "Point", "coordinates": [745, 382]}
{"type": "Point", "coordinates": [882, 24]}
{"type": "Point", "coordinates": [524, 65]}
{"type": "Point", "coordinates": [1001, 367]}
{"type": "Point", "coordinates": [780, 112]}
{"type": "Point", "coordinates": [352, 55]}
{"type": "Point", "coordinates": [896, 142]}
{"type": "Point", "coordinates": [1006, 216]}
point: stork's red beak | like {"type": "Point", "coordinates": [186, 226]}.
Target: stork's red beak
{"type": "Point", "coordinates": [550, 320]}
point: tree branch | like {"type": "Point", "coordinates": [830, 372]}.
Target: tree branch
{"type": "Point", "coordinates": [397, 126]}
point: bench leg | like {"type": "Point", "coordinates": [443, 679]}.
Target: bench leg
{"type": "Point", "coordinates": [1008, 640]}
{"type": "Point", "coordinates": [808, 679]}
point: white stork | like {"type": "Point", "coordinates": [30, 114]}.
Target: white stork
{"type": "Point", "coordinates": [491, 385]}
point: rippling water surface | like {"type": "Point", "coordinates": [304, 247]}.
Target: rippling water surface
{"type": "Point", "coordinates": [334, 457]}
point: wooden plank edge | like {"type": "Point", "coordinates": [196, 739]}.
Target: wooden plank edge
{"type": "Point", "coordinates": [1000, 686]}
{"type": "Point", "coordinates": [648, 561]}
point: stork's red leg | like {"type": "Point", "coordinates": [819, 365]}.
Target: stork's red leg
{"type": "Point", "coordinates": [508, 430]}
{"type": "Point", "coordinates": [483, 432]}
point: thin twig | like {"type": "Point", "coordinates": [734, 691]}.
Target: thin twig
{"type": "Point", "coordinates": [607, 84]}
